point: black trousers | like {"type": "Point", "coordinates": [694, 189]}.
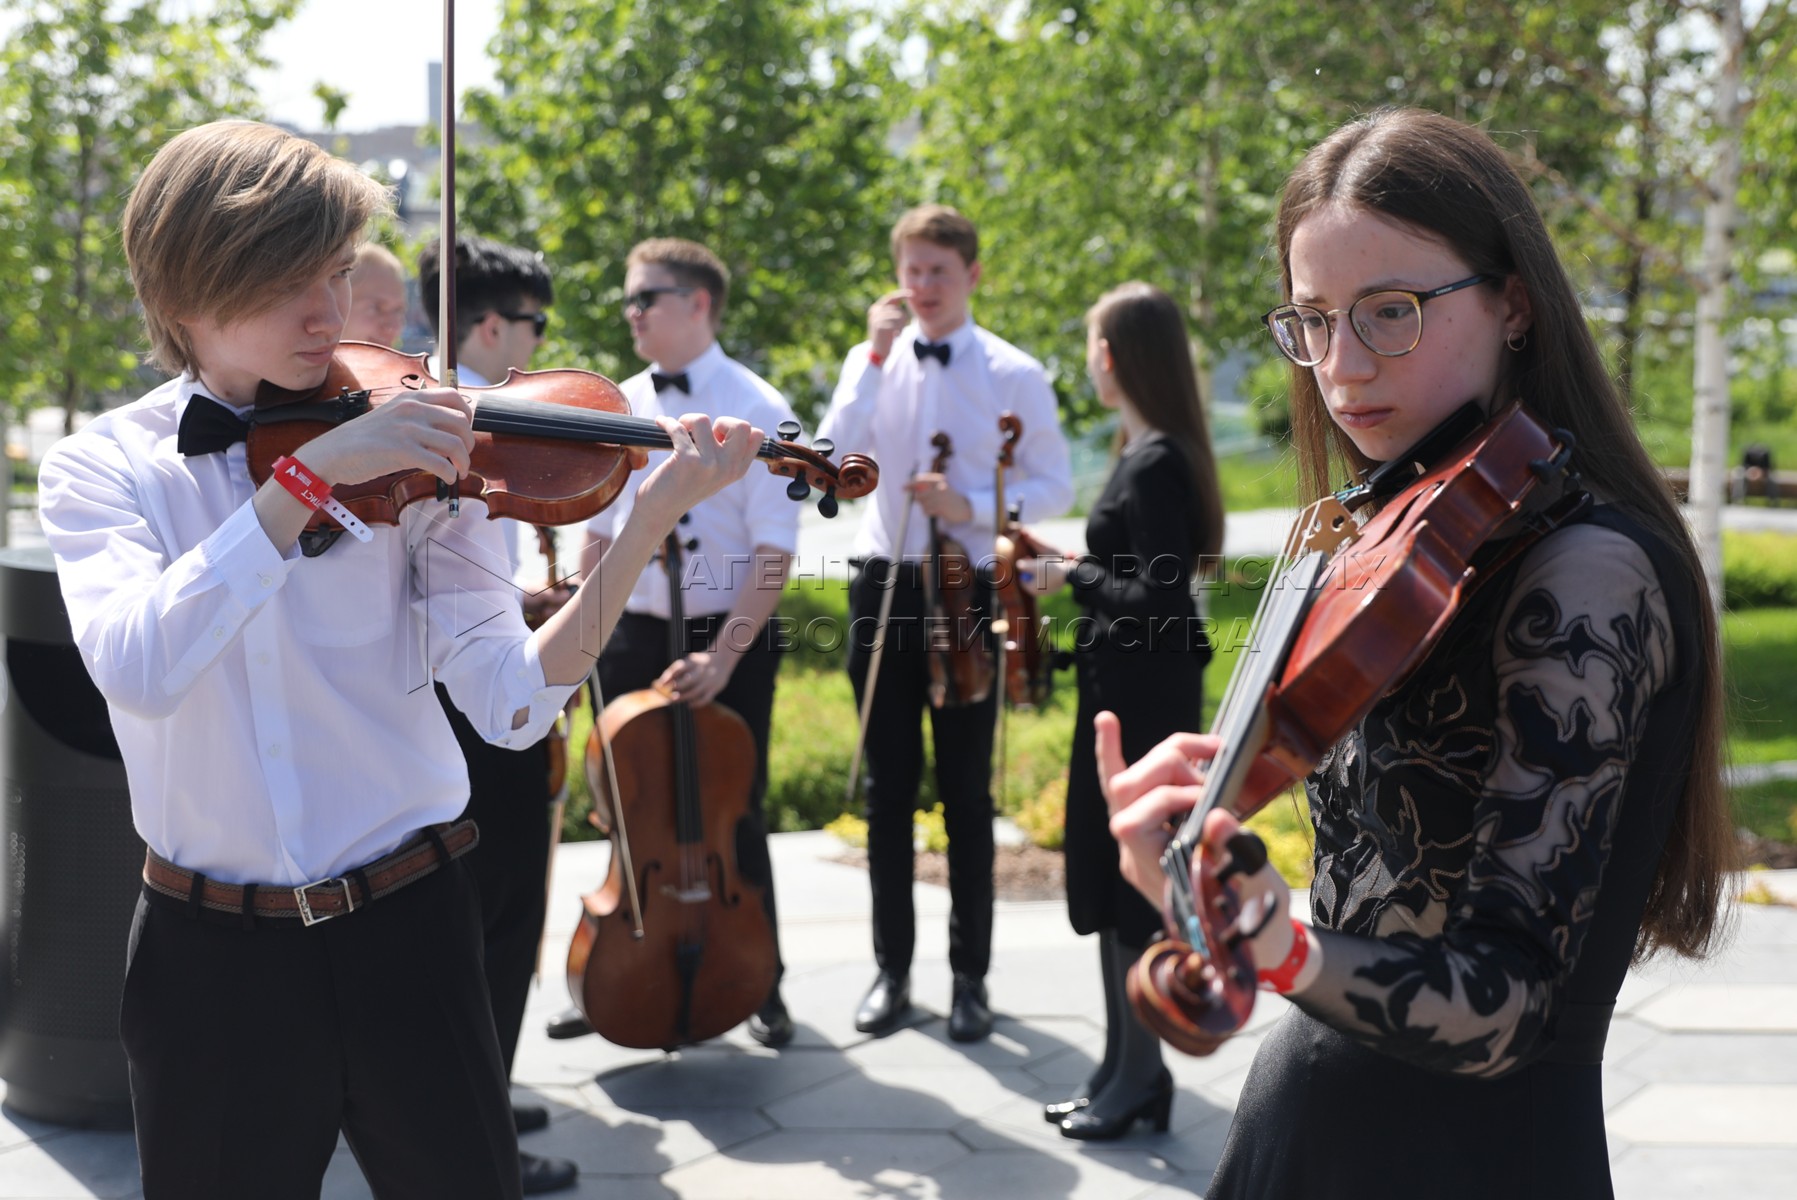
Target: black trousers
{"type": "Point", "coordinates": [250, 1047]}
{"type": "Point", "coordinates": [962, 739]}
{"type": "Point", "coordinates": [508, 797]}
{"type": "Point", "coordinates": [637, 654]}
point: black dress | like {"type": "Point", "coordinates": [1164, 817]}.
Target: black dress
{"type": "Point", "coordinates": [1495, 825]}
{"type": "Point", "coordinates": [1140, 653]}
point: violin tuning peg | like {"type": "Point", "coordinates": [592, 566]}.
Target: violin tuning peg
{"type": "Point", "coordinates": [789, 431]}
{"type": "Point", "coordinates": [1247, 853]}
{"type": "Point", "coordinates": [827, 505]}
{"type": "Point", "coordinates": [798, 489]}
{"type": "Point", "coordinates": [824, 446]}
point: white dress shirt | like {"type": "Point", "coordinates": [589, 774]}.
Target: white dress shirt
{"type": "Point", "coordinates": [892, 411]}
{"type": "Point", "coordinates": [274, 712]}
{"type": "Point", "coordinates": [753, 511]}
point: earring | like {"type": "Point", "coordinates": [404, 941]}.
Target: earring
{"type": "Point", "coordinates": [1517, 339]}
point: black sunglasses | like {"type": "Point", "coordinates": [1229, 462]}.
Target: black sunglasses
{"type": "Point", "coordinates": [645, 300]}
{"type": "Point", "coordinates": [539, 321]}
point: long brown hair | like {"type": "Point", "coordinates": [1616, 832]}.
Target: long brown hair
{"type": "Point", "coordinates": [1151, 358]}
{"type": "Point", "coordinates": [1451, 183]}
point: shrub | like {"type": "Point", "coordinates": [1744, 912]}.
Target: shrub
{"type": "Point", "coordinates": [1759, 570]}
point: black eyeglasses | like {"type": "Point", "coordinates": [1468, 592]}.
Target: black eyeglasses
{"type": "Point", "coordinates": [643, 301]}
{"type": "Point", "coordinates": [539, 321]}
{"type": "Point", "coordinates": [1389, 323]}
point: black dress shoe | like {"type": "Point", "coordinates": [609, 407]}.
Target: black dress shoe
{"type": "Point", "coordinates": [530, 1117]}
{"type": "Point", "coordinates": [1094, 1124]}
{"type": "Point", "coordinates": [772, 1024]}
{"type": "Point", "coordinates": [969, 1020]}
{"type": "Point", "coordinates": [567, 1024]}
{"type": "Point", "coordinates": [546, 1174]}
{"type": "Point", "coordinates": [887, 1001]}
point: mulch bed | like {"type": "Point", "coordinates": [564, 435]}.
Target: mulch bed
{"type": "Point", "coordinates": [1764, 852]}
{"type": "Point", "coordinates": [1025, 872]}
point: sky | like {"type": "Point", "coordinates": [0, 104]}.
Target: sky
{"type": "Point", "coordinates": [376, 51]}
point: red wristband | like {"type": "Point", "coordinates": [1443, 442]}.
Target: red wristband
{"type": "Point", "coordinates": [1280, 978]}
{"type": "Point", "coordinates": [298, 479]}
{"type": "Point", "coordinates": [874, 360]}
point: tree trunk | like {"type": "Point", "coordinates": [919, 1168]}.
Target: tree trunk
{"type": "Point", "coordinates": [1709, 408]}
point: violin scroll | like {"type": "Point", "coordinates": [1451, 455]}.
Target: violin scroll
{"type": "Point", "coordinates": [1195, 999]}
{"type": "Point", "coordinates": [810, 467]}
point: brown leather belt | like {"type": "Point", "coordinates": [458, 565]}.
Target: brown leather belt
{"type": "Point", "coordinates": [327, 898]}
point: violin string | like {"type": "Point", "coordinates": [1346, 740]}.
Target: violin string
{"type": "Point", "coordinates": [536, 418]}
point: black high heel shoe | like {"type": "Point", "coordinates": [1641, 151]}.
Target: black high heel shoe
{"type": "Point", "coordinates": [1087, 1125]}
{"type": "Point", "coordinates": [1060, 1110]}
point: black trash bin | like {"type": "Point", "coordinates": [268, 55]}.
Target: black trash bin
{"type": "Point", "coordinates": [71, 865]}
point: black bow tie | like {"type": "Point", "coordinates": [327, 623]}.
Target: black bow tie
{"type": "Point", "coordinates": [208, 427]}
{"type": "Point", "coordinates": [663, 382]}
{"type": "Point", "coordinates": [938, 351]}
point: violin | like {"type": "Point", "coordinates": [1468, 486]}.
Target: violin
{"type": "Point", "coordinates": [675, 946]}
{"type": "Point", "coordinates": [960, 662]}
{"type": "Point", "coordinates": [551, 447]}
{"type": "Point", "coordinates": [1025, 667]}
{"type": "Point", "coordinates": [1355, 613]}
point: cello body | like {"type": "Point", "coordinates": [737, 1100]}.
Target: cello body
{"type": "Point", "coordinates": [675, 947]}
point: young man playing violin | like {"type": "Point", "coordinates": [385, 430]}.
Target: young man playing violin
{"type": "Point", "coordinates": [936, 371]}
{"type": "Point", "coordinates": [502, 293]}
{"type": "Point", "coordinates": [737, 546]}
{"type": "Point", "coordinates": [306, 954]}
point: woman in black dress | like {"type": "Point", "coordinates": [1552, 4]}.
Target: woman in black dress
{"type": "Point", "coordinates": [1141, 653]}
{"type": "Point", "coordinates": [1541, 801]}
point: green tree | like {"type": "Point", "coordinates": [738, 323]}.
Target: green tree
{"type": "Point", "coordinates": [88, 90]}
{"type": "Point", "coordinates": [1109, 139]}
{"type": "Point", "coordinates": [748, 127]}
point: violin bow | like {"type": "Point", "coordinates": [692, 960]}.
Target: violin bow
{"type": "Point", "coordinates": [446, 255]}
{"type": "Point", "coordinates": [879, 650]}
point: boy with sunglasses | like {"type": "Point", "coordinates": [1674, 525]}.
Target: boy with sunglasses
{"type": "Point", "coordinates": [737, 546]}
{"type": "Point", "coordinates": [305, 958]}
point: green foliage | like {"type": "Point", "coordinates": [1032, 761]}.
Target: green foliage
{"type": "Point", "coordinates": [749, 128]}
{"type": "Point", "coordinates": [1759, 570]}
{"type": "Point", "coordinates": [1760, 672]}
{"type": "Point", "coordinates": [89, 89]}
{"type": "Point", "coordinates": [1142, 139]}
{"type": "Point", "coordinates": [1767, 810]}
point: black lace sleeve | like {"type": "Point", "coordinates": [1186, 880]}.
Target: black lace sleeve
{"type": "Point", "coordinates": [1583, 646]}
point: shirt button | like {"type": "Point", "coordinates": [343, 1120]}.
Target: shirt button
{"type": "Point", "coordinates": [266, 580]}
{"type": "Point", "coordinates": [274, 751]}
{"type": "Point", "coordinates": [261, 660]}
{"type": "Point", "coordinates": [218, 634]}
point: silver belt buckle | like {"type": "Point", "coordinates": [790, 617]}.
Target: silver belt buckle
{"type": "Point", "coordinates": [305, 906]}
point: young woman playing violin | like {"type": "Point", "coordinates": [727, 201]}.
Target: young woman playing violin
{"type": "Point", "coordinates": [1535, 805]}
{"type": "Point", "coordinates": [1159, 518]}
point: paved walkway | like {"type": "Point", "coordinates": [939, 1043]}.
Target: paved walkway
{"type": "Point", "coordinates": [1700, 1083]}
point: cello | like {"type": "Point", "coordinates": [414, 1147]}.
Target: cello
{"type": "Point", "coordinates": [960, 662]}
{"type": "Point", "coordinates": [1026, 668]}
{"type": "Point", "coordinates": [1357, 610]}
{"type": "Point", "coordinates": [694, 956]}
